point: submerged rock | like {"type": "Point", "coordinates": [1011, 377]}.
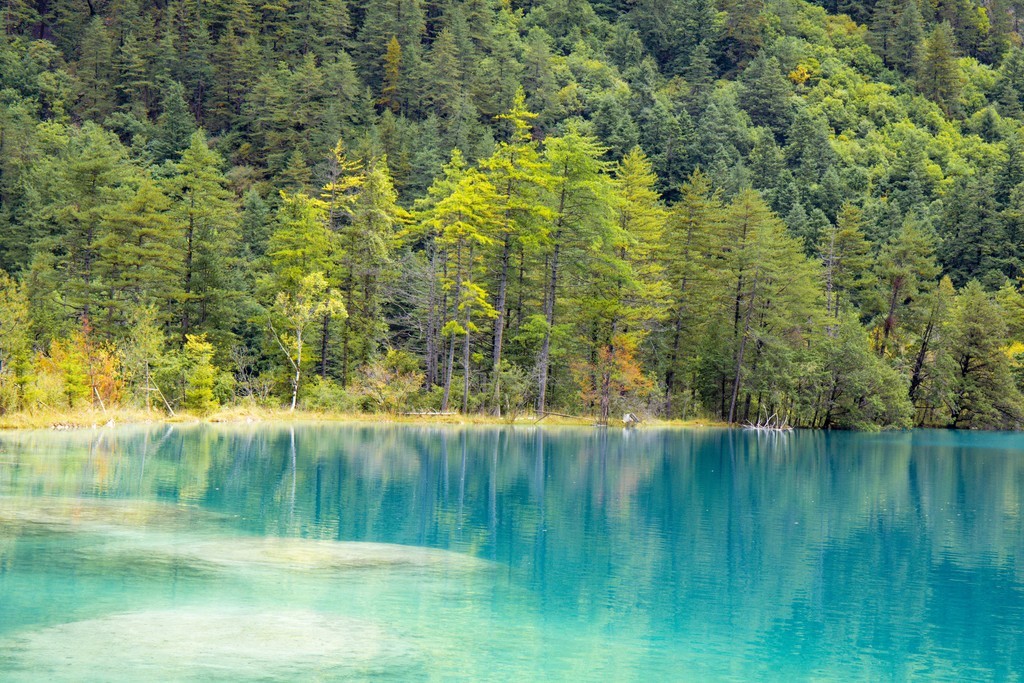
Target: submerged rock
{"type": "Point", "coordinates": [207, 644]}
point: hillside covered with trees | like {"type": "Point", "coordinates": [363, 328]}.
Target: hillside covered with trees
{"type": "Point", "coordinates": [685, 208]}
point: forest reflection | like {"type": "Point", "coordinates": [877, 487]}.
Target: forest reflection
{"type": "Point", "coordinates": [766, 537]}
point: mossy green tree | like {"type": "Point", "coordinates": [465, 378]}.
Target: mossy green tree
{"type": "Point", "coordinates": [981, 392]}
{"type": "Point", "coordinates": [200, 375]}
{"type": "Point", "coordinates": [15, 344]}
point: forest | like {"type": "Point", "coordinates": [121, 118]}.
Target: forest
{"type": "Point", "coordinates": [714, 209]}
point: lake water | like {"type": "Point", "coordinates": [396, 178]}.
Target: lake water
{"type": "Point", "coordinates": [330, 552]}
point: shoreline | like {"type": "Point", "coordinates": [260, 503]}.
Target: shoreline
{"type": "Point", "coordinates": [93, 418]}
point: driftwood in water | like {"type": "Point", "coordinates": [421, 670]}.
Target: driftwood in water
{"type": "Point", "coordinates": [550, 412]}
{"type": "Point", "coordinates": [770, 423]}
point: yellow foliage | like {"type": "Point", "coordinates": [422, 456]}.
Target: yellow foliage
{"type": "Point", "coordinates": [800, 74]}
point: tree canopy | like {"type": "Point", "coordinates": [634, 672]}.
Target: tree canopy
{"type": "Point", "coordinates": [683, 208]}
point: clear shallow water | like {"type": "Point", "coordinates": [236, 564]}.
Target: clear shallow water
{"type": "Point", "coordinates": [410, 553]}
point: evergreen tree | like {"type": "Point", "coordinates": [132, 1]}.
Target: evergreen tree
{"type": "Point", "coordinates": [207, 214]}
{"type": "Point", "coordinates": [772, 295]}
{"type": "Point", "coordinates": [94, 72]}
{"type": "Point", "coordinates": [905, 269]}
{"type": "Point", "coordinates": [15, 344]}
{"type": "Point", "coordinates": [905, 52]}
{"type": "Point", "coordinates": [939, 76]}
{"type": "Point", "coordinates": [845, 255]}
{"type": "Point", "coordinates": [520, 176]}
{"type": "Point", "coordinates": [464, 223]}
{"type": "Point", "coordinates": [138, 258]}
{"type": "Point", "coordinates": [174, 127]}
{"type": "Point", "coordinates": [973, 240]}
{"type": "Point", "coordinates": [981, 392]}
{"type": "Point", "coordinates": [691, 240]}
{"type": "Point", "coordinates": [365, 268]}
{"type": "Point", "coordinates": [582, 217]}
{"type": "Point", "coordinates": [766, 94]}
{"type": "Point", "coordinates": [885, 24]}
{"type": "Point", "coordinates": [88, 186]}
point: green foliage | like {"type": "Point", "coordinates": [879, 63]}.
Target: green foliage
{"type": "Point", "coordinates": [200, 375]}
{"type": "Point", "coordinates": [686, 207]}
{"type": "Point", "coordinates": [981, 392]}
{"type": "Point", "coordinates": [15, 344]}
{"type": "Point", "coordinates": [389, 384]}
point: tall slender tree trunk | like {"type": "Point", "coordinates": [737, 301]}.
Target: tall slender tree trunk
{"type": "Point", "coordinates": [189, 236]}
{"type": "Point", "coordinates": [670, 371]}
{"type": "Point", "coordinates": [448, 375]}
{"type": "Point", "coordinates": [917, 377]}
{"type": "Point", "coordinates": [346, 332]}
{"type": "Point", "coordinates": [499, 327]}
{"type": "Point", "coordinates": [549, 316]}
{"type": "Point", "coordinates": [451, 342]}
{"type": "Point", "coordinates": [890, 317]}
{"type": "Point", "coordinates": [466, 345]}
{"type": "Point", "coordinates": [298, 368]}
{"type": "Point", "coordinates": [325, 337]}
{"type": "Point", "coordinates": [739, 353]}
{"type": "Point", "coordinates": [433, 327]}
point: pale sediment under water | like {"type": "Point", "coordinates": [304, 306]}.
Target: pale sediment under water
{"type": "Point", "coordinates": [207, 643]}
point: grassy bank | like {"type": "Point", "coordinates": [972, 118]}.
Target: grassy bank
{"type": "Point", "coordinates": [88, 418]}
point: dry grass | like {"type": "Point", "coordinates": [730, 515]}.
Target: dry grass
{"type": "Point", "coordinates": [91, 417]}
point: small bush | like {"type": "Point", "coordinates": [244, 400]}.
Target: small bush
{"type": "Point", "coordinates": [324, 394]}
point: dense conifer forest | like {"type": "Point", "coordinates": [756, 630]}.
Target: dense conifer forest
{"type": "Point", "coordinates": [720, 209]}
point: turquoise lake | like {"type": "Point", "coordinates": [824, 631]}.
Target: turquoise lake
{"type": "Point", "coordinates": [340, 552]}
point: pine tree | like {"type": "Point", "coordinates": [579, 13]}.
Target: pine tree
{"type": "Point", "coordinates": [90, 183]}
{"type": "Point", "coordinates": [365, 266]}
{"type": "Point", "coordinates": [974, 244]}
{"type": "Point", "coordinates": [905, 269]}
{"type": "Point", "coordinates": [302, 242]}
{"type": "Point", "coordinates": [582, 217]}
{"type": "Point", "coordinates": [982, 393]}
{"type": "Point", "coordinates": [174, 127]}
{"type": "Point", "coordinates": [133, 84]}
{"type": "Point", "coordinates": [743, 33]}
{"type": "Point", "coordinates": [633, 293]}
{"type": "Point", "coordinates": [391, 91]}
{"type": "Point", "coordinates": [845, 255]}
{"type": "Point", "coordinates": [207, 213]}
{"type": "Point", "coordinates": [446, 77]}
{"type": "Point", "coordinates": [766, 94]}
{"type": "Point", "coordinates": [138, 258]}
{"type": "Point", "coordinates": [691, 239]}
{"type": "Point", "coordinates": [464, 223]}
{"type": "Point", "coordinates": [939, 76]}
{"type": "Point", "coordinates": [885, 23]}
{"type": "Point", "coordinates": [520, 176]}
{"type": "Point", "coordinates": [905, 53]}
{"type": "Point", "coordinates": [94, 72]}
{"type": "Point", "coordinates": [15, 344]}
{"type": "Point", "coordinates": [772, 294]}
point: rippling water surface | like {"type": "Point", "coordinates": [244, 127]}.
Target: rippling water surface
{"type": "Point", "coordinates": [413, 553]}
